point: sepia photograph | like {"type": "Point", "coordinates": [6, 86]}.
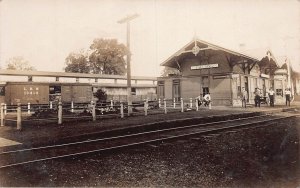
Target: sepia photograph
{"type": "Point", "coordinates": [150, 93]}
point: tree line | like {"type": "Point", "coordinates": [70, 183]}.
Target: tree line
{"type": "Point", "coordinates": [104, 56]}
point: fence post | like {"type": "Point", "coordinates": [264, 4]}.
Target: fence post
{"type": "Point", "coordinates": [51, 106]}
{"type": "Point", "coordinates": [5, 109]}
{"type": "Point", "coordinates": [2, 114]}
{"type": "Point", "coordinates": [122, 110]}
{"type": "Point", "coordinates": [28, 107]}
{"type": "Point", "coordinates": [94, 111]}
{"type": "Point", "coordinates": [165, 106]}
{"type": "Point", "coordinates": [19, 117]}
{"type": "Point", "coordinates": [181, 101]}
{"type": "Point", "coordinates": [146, 107]}
{"type": "Point", "coordinates": [111, 103]}
{"type": "Point", "coordinates": [59, 113]}
{"type": "Point", "coordinates": [159, 103]}
{"type": "Point", "coordinates": [72, 106]}
{"type": "Point", "coordinates": [191, 103]}
{"type": "Point", "coordinates": [196, 104]}
{"type": "Point", "coordinates": [174, 103]}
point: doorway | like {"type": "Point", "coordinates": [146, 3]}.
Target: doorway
{"type": "Point", "coordinates": [176, 90]}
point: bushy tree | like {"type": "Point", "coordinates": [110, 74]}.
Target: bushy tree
{"type": "Point", "coordinates": [100, 95]}
{"type": "Point", "coordinates": [77, 62]}
{"type": "Point", "coordinates": [107, 57]}
{"type": "Point", "coordinates": [19, 63]}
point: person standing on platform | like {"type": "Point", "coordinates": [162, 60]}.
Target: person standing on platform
{"type": "Point", "coordinates": [244, 97]}
{"type": "Point", "coordinates": [287, 96]}
{"type": "Point", "coordinates": [271, 97]}
{"type": "Point", "coordinates": [207, 99]}
{"type": "Point", "coordinates": [257, 97]}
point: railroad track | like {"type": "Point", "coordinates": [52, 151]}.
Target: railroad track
{"type": "Point", "coordinates": [39, 154]}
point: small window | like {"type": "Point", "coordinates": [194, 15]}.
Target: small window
{"type": "Point", "coordinates": [133, 91]}
{"type": "Point", "coordinates": [161, 89]}
{"type": "Point", "coordinates": [279, 92]}
{"type": "Point", "coordinates": [55, 89]}
{"type": "Point", "coordinates": [2, 91]}
{"type": "Point", "coordinates": [239, 89]}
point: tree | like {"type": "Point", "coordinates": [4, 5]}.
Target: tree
{"type": "Point", "coordinates": [168, 71]}
{"type": "Point", "coordinates": [107, 57]}
{"type": "Point", "coordinates": [77, 62]}
{"type": "Point", "coordinates": [19, 63]}
{"type": "Point", "coordinates": [100, 95]}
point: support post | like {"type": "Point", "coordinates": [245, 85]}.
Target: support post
{"type": "Point", "coordinates": [146, 107]}
{"type": "Point", "coordinates": [19, 117]}
{"type": "Point", "coordinates": [129, 109]}
{"type": "Point", "coordinates": [191, 103]}
{"type": "Point", "coordinates": [72, 106]}
{"type": "Point", "coordinates": [159, 103]}
{"type": "Point", "coordinates": [51, 105]}
{"type": "Point", "coordinates": [2, 115]}
{"type": "Point", "coordinates": [174, 103]}
{"type": "Point", "coordinates": [94, 111]}
{"type": "Point", "coordinates": [59, 113]}
{"type": "Point", "coordinates": [5, 109]}
{"type": "Point", "coordinates": [181, 101]}
{"type": "Point", "coordinates": [128, 59]}
{"type": "Point", "coordinates": [196, 104]}
{"type": "Point", "coordinates": [165, 106]}
{"type": "Point", "coordinates": [28, 108]}
{"type": "Point", "coordinates": [111, 103]}
{"type": "Point", "coordinates": [122, 110]}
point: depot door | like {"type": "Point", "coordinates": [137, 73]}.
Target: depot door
{"type": "Point", "coordinates": [176, 90]}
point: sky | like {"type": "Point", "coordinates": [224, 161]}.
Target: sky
{"type": "Point", "coordinates": [44, 32]}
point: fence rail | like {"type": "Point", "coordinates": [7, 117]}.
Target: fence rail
{"type": "Point", "coordinates": [59, 112]}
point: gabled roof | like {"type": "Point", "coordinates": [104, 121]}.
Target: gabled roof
{"type": "Point", "coordinates": [205, 46]}
{"type": "Point", "coordinates": [269, 60]}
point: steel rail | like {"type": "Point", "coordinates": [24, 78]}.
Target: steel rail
{"type": "Point", "coordinates": [149, 141]}
{"type": "Point", "coordinates": [129, 135]}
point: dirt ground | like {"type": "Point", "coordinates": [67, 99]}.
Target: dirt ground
{"type": "Point", "coordinates": [261, 157]}
{"type": "Point", "coordinates": [40, 133]}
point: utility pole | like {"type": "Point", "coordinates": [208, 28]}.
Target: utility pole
{"type": "Point", "coordinates": [129, 96]}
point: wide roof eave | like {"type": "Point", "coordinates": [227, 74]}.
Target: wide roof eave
{"type": "Point", "coordinates": [168, 61]}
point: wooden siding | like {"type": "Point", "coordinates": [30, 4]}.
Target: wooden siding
{"type": "Point", "coordinates": [191, 87]}
{"type": "Point", "coordinates": [218, 58]}
{"type": "Point", "coordinates": [77, 94]}
{"type": "Point", "coordinates": [27, 93]}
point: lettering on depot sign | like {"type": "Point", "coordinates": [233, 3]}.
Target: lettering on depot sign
{"type": "Point", "coordinates": [208, 66]}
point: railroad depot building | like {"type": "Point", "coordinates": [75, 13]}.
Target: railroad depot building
{"type": "Point", "coordinates": [205, 67]}
{"type": "Point", "coordinates": [39, 87]}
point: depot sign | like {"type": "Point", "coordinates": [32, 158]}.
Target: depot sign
{"type": "Point", "coordinates": [208, 66]}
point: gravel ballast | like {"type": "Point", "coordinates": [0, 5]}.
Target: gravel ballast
{"type": "Point", "coordinates": [260, 157]}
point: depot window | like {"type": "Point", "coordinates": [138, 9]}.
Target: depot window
{"type": "Point", "coordinates": [279, 92]}
{"type": "Point", "coordinates": [161, 88]}
{"type": "Point", "coordinates": [133, 91]}
{"type": "Point", "coordinates": [2, 91]}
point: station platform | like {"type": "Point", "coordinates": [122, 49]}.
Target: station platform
{"type": "Point", "coordinates": [33, 136]}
